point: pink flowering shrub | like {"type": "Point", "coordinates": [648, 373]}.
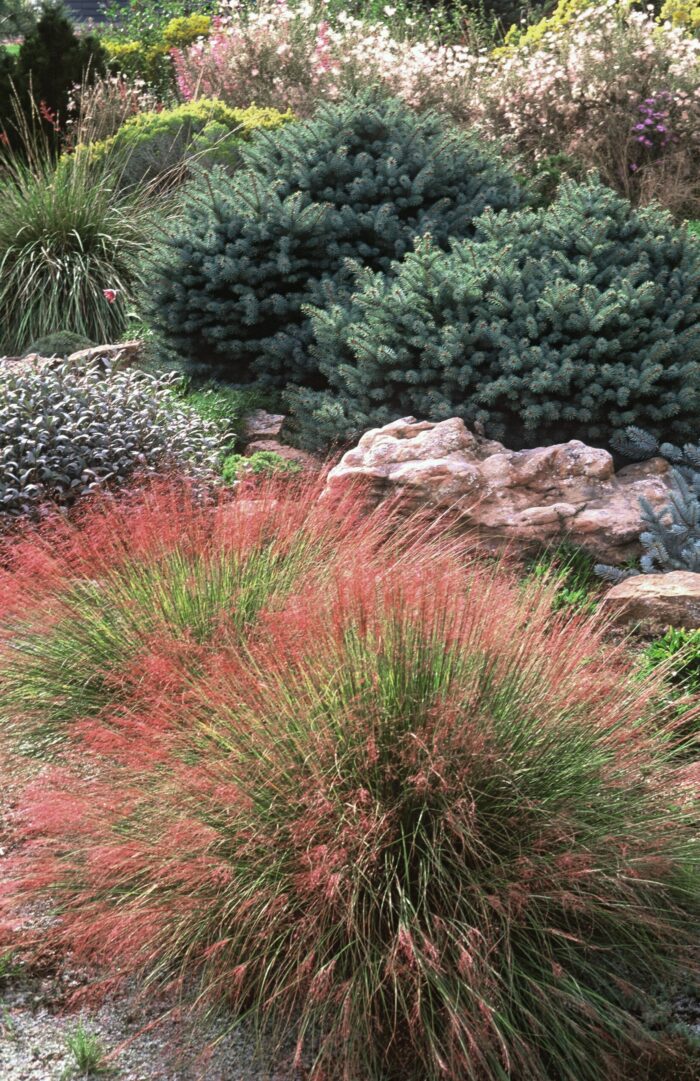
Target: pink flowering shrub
{"type": "Point", "coordinates": [581, 91]}
{"type": "Point", "coordinates": [290, 55]}
{"type": "Point", "coordinates": [614, 91]}
{"type": "Point", "coordinates": [271, 55]}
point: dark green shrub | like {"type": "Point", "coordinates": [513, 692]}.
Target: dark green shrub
{"type": "Point", "coordinates": [60, 344]}
{"type": "Point", "coordinates": [50, 62]}
{"type": "Point", "coordinates": [360, 180]}
{"type": "Point", "coordinates": [63, 433]}
{"type": "Point", "coordinates": [16, 17]}
{"type": "Point", "coordinates": [566, 322]}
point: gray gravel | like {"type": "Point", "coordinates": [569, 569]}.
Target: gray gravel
{"type": "Point", "coordinates": [140, 1046]}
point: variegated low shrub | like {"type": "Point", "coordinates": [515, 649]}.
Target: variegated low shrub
{"type": "Point", "coordinates": [65, 432]}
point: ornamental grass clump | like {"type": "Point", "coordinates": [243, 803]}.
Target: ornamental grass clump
{"type": "Point", "coordinates": [430, 849]}
{"type": "Point", "coordinates": [67, 233]}
{"type": "Point", "coordinates": [91, 605]}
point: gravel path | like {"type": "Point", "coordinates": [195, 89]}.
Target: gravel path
{"type": "Point", "coordinates": [34, 1023]}
{"type": "Point", "coordinates": [36, 1017]}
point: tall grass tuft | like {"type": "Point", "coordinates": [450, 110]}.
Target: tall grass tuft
{"type": "Point", "coordinates": [90, 606]}
{"type": "Point", "coordinates": [407, 811]}
{"type": "Point", "coordinates": [67, 234]}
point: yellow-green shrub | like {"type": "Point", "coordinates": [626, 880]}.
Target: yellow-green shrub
{"type": "Point", "coordinates": [685, 13]}
{"type": "Point", "coordinates": [181, 32]}
{"type": "Point", "coordinates": [137, 60]}
{"type": "Point", "coordinates": [154, 146]}
{"type": "Point", "coordinates": [564, 13]}
{"type": "Point", "coordinates": [682, 13]}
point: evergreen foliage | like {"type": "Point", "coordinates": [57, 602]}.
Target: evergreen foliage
{"type": "Point", "coordinates": [569, 321]}
{"type": "Point", "coordinates": [51, 61]}
{"type": "Point", "coordinates": [671, 540]}
{"type": "Point", "coordinates": [59, 344]}
{"type": "Point", "coordinates": [16, 17]}
{"type": "Point", "coordinates": [360, 180]}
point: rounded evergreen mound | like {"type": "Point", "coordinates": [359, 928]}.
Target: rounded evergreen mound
{"type": "Point", "coordinates": [359, 181]}
{"type": "Point", "coordinates": [567, 322]}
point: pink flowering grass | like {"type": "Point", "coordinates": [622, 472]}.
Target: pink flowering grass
{"type": "Point", "coordinates": [92, 608]}
{"type": "Point", "coordinates": [408, 813]}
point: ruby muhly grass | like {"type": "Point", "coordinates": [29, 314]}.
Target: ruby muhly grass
{"type": "Point", "coordinates": [409, 813]}
{"type": "Point", "coordinates": [93, 605]}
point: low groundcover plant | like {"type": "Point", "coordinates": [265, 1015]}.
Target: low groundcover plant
{"type": "Point", "coordinates": [66, 431]}
{"type": "Point", "coordinates": [430, 848]}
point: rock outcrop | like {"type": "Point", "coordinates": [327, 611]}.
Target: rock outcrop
{"type": "Point", "coordinates": [653, 602]}
{"type": "Point", "coordinates": [259, 424]}
{"type": "Point", "coordinates": [123, 355]}
{"type": "Point", "coordinates": [568, 491]}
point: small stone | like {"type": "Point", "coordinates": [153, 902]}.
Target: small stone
{"type": "Point", "coordinates": [654, 602]}
{"type": "Point", "coordinates": [262, 425]}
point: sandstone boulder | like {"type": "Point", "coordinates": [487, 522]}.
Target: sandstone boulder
{"type": "Point", "coordinates": [259, 424]}
{"type": "Point", "coordinates": [568, 491]}
{"type": "Point", "coordinates": [122, 355]}
{"type": "Point", "coordinates": [654, 602]}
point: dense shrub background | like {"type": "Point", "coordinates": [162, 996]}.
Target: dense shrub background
{"type": "Point", "coordinates": [569, 321]}
{"type": "Point", "coordinates": [39, 79]}
{"type": "Point", "coordinates": [360, 181]}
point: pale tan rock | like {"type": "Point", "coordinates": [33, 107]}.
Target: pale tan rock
{"type": "Point", "coordinates": [291, 454]}
{"type": "Point", "coordinates": [262, 425]}
{"type": "Point", "coordinates": [654, 602]}
{"type": "Point", "coordinates": [568, 491]}
{"type": "Point", "coordinates": [122, 355]}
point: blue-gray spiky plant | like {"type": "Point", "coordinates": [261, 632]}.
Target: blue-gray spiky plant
{"type": "Point", "coordinates": [671, 540]}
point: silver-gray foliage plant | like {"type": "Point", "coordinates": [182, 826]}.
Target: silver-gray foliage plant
{"type": "Point", "coordinates": [65, 432]}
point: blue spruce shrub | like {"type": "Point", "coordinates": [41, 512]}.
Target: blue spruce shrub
{"type": "Point", "coordinates": [671, 539]}
{"type": "Point", "coordinates": [566, 322]}
{"type": "Point", "coordinates": [359, 181]}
